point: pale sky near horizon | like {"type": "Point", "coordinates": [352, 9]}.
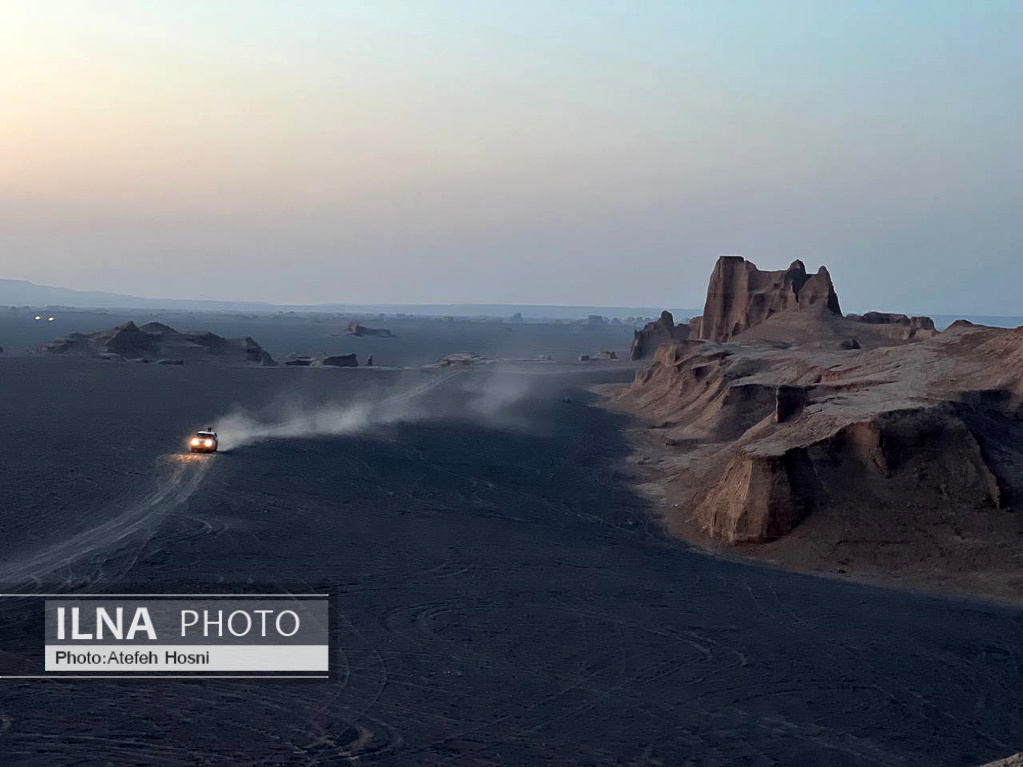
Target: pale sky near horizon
{"type": "Point", "coordinates": [599, 153]}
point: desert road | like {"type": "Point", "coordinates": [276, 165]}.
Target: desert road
{"type": "Point", "coordinates": [503, 596]}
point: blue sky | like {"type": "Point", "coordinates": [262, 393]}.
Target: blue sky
{"type": "Point", "coordinates": [569, 152]}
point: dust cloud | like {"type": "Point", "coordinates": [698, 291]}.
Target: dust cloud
{"type": "Point", "coordinates": [487, 398]}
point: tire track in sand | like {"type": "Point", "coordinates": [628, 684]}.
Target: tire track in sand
{"type": "Point", "coordinates": [137, 523]}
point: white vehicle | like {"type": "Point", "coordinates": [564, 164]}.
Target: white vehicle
{"type": "Point", "coordinates": [203, 441]}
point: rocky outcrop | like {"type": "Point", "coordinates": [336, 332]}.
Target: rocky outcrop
{"type": "Point", "coordinates": [898, 326]}
{"type": "Point", "coordinates": [663, 330]}
{"type": "Point", "coordinates": [790, 306]}
{"type": "Point", "coordinates": [603, 356]}
{"type": "Point", "coordinates": [741, 296]}
{"type": "Point", "coordinates": [323, 360]}
{"type": "Point", "coordinates": [784, 433]}
{"type": "Point", "coordinates": [868, 444]}
{"type": "Point", "coordinates": [462, 360]}
{"type": "Point", "coordinates": [341, 361]}
{"type": "Point", "coordinates": [158, 341]}
{"type": "Point", "coordinates": [355, 329]}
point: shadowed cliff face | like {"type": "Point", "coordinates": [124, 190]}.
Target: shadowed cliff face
{"type": "Point", "coordinates": [863, 438]}
{"type": "Point", "coordinates": [740, 295]}
{"type": "Point", "coordinates": [663, 330]}
{"type": "Point", "coordinates": [931, 431]}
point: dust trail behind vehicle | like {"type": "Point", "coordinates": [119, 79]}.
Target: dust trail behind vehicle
{"type": "Point", "coordinates": [483, 397]}
{"type": "Point", "coordinates": [100, 551]}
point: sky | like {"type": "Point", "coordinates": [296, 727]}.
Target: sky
{"type": "Point", "coordinates": [563, 152]}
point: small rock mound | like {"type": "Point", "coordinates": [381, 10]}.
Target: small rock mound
{"type": "Point", "coordinates": [323, 360]}
{"type": "Point", "coordinates": [155, 340]}
{"type": "Point", "coordinates": [355, 329]}
{"type": "Point", "coordinates": [341, 361]}
{"type": "Point", "coordinates": [463, 360]}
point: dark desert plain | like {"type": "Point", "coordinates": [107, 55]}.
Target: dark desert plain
{"type": "Point", "coordinates": [503, 595]}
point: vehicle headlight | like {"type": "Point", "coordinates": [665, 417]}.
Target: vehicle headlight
{"type": "Point", "coordinates": [195, 440]}
{"type": "Point", "coordinates": [209, 443]}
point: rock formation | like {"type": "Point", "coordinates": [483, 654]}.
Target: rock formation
{"type": "Point", "coordinates": [323, 360]}
{"type": "Point", "coordinates": [898, 326]}
{"type": "Point", "coordinates": [934, 426]}
{"type": "Point", "coordinates": [462, 359]}
{"type": "Point", "coordinates": [791, 307]}
{"type": "Point", "coordinates": [355, 329]}
{"type": "Point", "coordinates": [820, 440]}
{"type": "Point", "coordinates": [158, 341]}
{"type": "Point", "coordinates": [341, 361]}
{"type": "Point", "coordinates": [663, 330]}
{"type": "Point", "coordinates": [740, 295]}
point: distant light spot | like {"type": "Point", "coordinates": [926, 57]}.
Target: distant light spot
{"type": "Point", "coordinates": [38, 317]}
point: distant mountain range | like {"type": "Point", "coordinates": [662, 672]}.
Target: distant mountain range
{"type": "Point", "coordinates": [25, 293]}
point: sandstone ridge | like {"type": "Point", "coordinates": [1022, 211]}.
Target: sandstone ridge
{"type": "Point", "coordinates": [663, 330]}
{"type": "Point", "coordinates": [740, 295]}
{"type": "Point", "coordinates": [787, 432]}
{"type": "Point", "coordinates": [904, 452]}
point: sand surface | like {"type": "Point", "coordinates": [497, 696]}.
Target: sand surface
{"type": "Point", "coordinates": [504, 597]}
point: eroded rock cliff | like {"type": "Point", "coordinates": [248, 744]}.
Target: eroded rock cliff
{"type": "Point", "coordinates": [828, 442]}
{"type": "Point", "coordinates": [740, 295]}
{"type": "Point", "coordinates": [663, 330]}
{"type": "Point", "coordinates": [777, 434]}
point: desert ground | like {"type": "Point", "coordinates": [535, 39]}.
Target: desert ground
{"type": "Point", "coordinates": [416, 341]}
{"type": "Point", "coordinates": [505, 596]}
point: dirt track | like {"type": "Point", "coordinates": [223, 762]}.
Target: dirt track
{"type": "Point", "coordinates": [503, 598]}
